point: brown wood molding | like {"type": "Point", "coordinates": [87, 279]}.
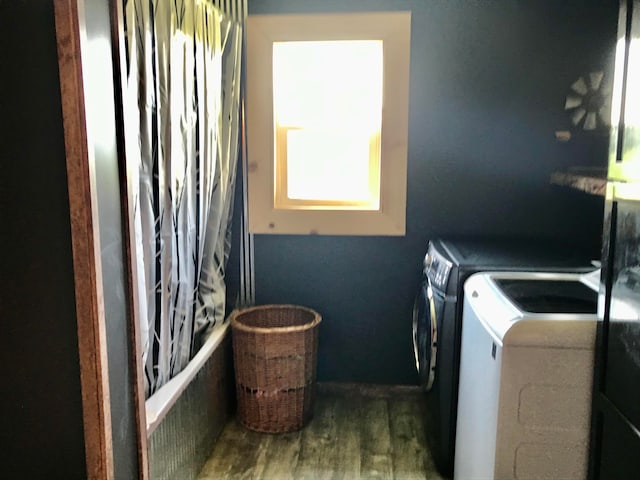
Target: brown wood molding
{"type": "Point", "coordinates": [128, 209]}
{"type": "Point", "coordinates": [86, 245]}
{"type": "Point", "coordinates": [369, 390]}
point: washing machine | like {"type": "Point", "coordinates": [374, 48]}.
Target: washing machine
{"type": "Point", "coordinates": [437, 317]}
{"type": "Point", "coordinates": [526, 368]}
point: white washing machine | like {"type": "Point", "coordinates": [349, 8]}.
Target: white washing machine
{"type": "Point", "coordinates": [526, 369]}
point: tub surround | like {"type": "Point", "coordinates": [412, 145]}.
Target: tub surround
{"type": "Point", "coordinates": [186, 419]}
{"type": "Point", "coordinates": [159, 404]}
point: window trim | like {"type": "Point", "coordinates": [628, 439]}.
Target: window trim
{"type": "Point", "coordinates": [393, 28]}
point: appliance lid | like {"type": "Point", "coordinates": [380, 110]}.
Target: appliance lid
{"type": "Point", "coordinates": [516, 254]}
{"type": "Point", "coordinates": [548, 295]}
{"type": "Point", "coordinates": [534, 308]}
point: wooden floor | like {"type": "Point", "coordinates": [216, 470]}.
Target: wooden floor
{"type": "Point", "coordinates": [351, 437]}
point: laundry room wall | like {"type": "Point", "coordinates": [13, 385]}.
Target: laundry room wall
{"type": "Point", "coordinates": [488, 86]}
{"type": "Point", "coordinates": [42, 433]}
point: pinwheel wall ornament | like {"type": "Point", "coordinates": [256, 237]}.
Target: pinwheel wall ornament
{"type": "Point", "coordinates": [588, 102]}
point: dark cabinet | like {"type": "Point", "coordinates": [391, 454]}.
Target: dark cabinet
{"type": "Point", "coordinates": [615, 445]}
{"type": "Point", "coordinates": [615, 439]}
{"type": "Point", "coordinates": [620, 382]}
{"type": "Point", "coordinates": [619, 450]}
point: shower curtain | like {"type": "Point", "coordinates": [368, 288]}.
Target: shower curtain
{"type": "Point", "coordinates": [182, 127]}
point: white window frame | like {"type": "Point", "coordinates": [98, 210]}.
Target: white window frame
{"type": "Point", "coordinates": [394, 29]}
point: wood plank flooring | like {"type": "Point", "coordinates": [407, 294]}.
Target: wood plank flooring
{"type": "Point", "coordinates": [351, 437]}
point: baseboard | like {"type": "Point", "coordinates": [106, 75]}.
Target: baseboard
{"type": "Point", "coordinates": [368, 390]}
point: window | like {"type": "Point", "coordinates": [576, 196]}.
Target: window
{"type": "Point", "coordinates": [327, 127]}
{"type": "Point", "coordinates": [327, 103]}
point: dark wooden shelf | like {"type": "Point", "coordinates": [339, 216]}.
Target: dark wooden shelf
{"type": "Point", "coordinates": [592, 180]}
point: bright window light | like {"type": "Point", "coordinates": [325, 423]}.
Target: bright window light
{"type": "Point", "coordinates": [617, 84]}
{"type": "Point", "coordinates": [327, 98]}
{"type": "Point", "coordinates": [632, 101]}
{"type": "Point", "coordinates": [327, 165]}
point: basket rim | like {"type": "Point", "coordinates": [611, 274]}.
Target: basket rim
{"type": "Point", "coordinates": [297, 328]}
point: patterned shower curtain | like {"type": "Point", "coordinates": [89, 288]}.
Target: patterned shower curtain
{"type": "Point", "coordinates": [182, 121]}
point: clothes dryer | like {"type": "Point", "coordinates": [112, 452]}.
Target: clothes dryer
{"type": "Point", "coordinates": [437, 317]}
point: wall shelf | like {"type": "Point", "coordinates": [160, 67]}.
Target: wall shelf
{"type": "Point", "coordinates": [592, 180]}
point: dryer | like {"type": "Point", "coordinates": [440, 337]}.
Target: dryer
{"type": "Point", "coordinates": [437, 317]}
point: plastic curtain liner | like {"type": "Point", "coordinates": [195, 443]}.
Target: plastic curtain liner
{"type": "Point", "coordinates": [182, 126]}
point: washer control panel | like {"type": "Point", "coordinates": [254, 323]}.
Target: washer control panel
{"type": "Point", "coordinates": [436, 268]}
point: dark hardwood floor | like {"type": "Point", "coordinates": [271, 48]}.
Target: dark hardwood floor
{"type": "Point", "coordinates": [352, 436]}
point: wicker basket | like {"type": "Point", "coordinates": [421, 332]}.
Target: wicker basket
{"type": "Point", "coordinates": [274, 352]}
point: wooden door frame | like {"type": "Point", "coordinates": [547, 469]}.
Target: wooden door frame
{"type": "Point", "coordinates": [90, 311]}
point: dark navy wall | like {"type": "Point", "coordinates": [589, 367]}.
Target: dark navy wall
{"type": "Point", "coordinates": [488, 84]}
{"type": "Point", "coordinates": [41, 403]}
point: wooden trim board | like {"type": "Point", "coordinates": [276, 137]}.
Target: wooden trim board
{"type": "Point", "coordinates": [85, 239]}
{"type": "Point", "coordinates": [369, 390]}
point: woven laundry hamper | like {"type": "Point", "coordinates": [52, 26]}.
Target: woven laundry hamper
{"type": "Point", "coordinates": [274, 352]}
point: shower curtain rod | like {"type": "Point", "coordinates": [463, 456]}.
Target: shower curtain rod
{"type": "Point", "coordinates": [237, 9]}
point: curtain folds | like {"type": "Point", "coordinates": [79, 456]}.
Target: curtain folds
{"type": "Point", "coordinates": [182, 125]}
